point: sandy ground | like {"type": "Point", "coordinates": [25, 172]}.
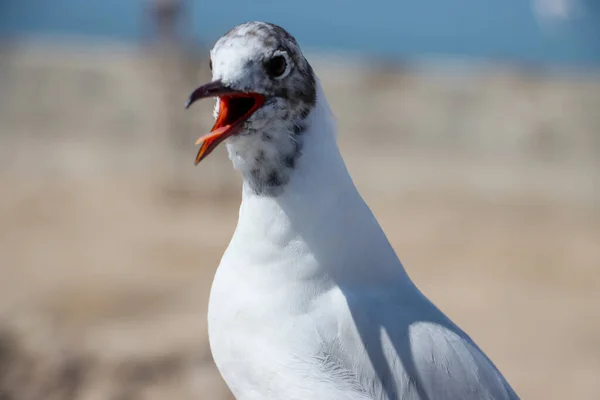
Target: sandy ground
{"type": "Point", "coordinates": [105, 283]}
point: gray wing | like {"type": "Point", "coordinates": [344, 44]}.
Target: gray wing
{"type": "Point", "coordinates": [394, 355]}
{"type": "Point", "coordinates": [448, 365]}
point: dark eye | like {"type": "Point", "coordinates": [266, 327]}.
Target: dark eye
{"type": "Point", "coordinates": [276, 66]}
{"type": "Point", "coordinates": [210, 64]}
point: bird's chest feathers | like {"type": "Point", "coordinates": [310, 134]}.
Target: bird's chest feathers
{"type": "Point", "coordinates": [256, 332]}
{"type": "Point", "coordinates": [264, 303]}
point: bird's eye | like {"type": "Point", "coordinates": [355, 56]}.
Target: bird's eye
{"type": "Point", "coordinates": [276, 66]}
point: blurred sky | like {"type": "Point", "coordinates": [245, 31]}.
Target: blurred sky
{"type": "Point", "coordinates": [497, 29]}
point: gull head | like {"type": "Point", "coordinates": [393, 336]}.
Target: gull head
{"type": "Point", "coordinates": [264, 89]}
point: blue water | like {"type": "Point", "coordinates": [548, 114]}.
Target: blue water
{"type": "Point", "coordinates": [491, 29]}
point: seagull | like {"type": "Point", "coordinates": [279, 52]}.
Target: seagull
{"type": "Point", "coordinates": [310, 301]}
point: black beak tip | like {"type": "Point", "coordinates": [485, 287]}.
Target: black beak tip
{"type": "Point", "coordinates": [208, 90]}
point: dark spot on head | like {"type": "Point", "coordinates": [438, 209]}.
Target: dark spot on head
{"type": "Point", "coordinates": [248, 64]}
{"type": "Point", "coordinates": [269, 41]}
{"type": "Point", "coordinates": [283, 92]}
{"type": "Point", "coordinates": [255, 173]}
{"type": "Point", "coordinates": [308, 92]}
{"type": "Point", "coordinates": [304, 111]}
{"type": "Point", "coordinates": [310, 97]}
{"type": "Point", "coordinates": [260, 156]}
{"type": "Point", "coordinates": [266, 137]}
{"type": "Point", "coordinates": [289, 161]}
{"type": "Point", "coordinates": [297, 148]}
{"type": "Point", "coordinates": [273, 178]}
{"type": "Point", "coordinates": [299, 128]}
{"type": "Point", "coordinates": [252, 33]}
{"type": "Point", "coordinates": [279, 31]}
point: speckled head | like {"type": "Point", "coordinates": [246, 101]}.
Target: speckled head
{"type": "Point", "coordinates": [265, 90]}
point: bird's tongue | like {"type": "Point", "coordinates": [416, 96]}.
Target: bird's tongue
{"type": "Point", "coordinates": [222, 125]}
{"type": "Point", "coordinates": [220, 131]}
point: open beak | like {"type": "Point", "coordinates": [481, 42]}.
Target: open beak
{"type": "Point", "coordinates": [235, 108]}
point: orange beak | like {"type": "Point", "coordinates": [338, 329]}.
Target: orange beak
{"type": "Point", "coordinates": [234, 109]}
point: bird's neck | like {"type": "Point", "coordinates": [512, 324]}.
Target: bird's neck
{"type": "Point", "coordinates": [318, 216]}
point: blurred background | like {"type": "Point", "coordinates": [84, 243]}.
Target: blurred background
{"type": "Point", "coordinates": [472, 128]}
